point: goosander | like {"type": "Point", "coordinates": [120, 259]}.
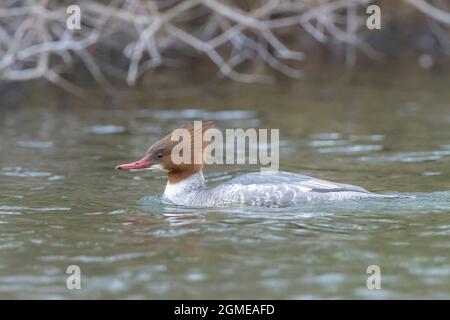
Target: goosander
{"type": "Point", "coordinates": [186, 185]}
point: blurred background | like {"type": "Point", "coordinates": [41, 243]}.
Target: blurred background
{"type": "Point", "coordinates": [370, 107]}
{"type": "Point", "coordinates": [131, 44]}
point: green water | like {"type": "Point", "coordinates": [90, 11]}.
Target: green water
{"type": "Point", "coordinates": [61, 202]}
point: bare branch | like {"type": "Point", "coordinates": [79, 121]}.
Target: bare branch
{"type": "Point", "coordinates": [143, 35]}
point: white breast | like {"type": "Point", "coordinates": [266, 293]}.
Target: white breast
{"type": "Point", "coordinates": [184, 191]}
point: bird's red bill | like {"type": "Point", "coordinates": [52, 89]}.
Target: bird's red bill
{"type": "Point", "coordinates": [144, 163]}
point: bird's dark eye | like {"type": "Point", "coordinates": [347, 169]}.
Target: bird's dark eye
{"type": "Point", "coordinates": [157, 154]}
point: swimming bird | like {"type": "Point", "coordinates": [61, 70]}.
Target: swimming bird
{"type": "Point", "coordinates": [186, 184]}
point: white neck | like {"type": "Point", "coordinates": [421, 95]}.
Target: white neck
{"type": "Point", "coordinates": [183, 191]}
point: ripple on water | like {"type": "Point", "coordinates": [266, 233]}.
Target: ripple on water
{"type": "Point", "coordinates": [56, 178]}
{"type": "Point", "coordinates": [421, 156]}
{"type": "Point", "coordinates": [35, 144]}
{"type": "Point", "coordinates": [5, 209]}
{"type": "Point", "coordinates": [352, 149]}
{"type": "Point", "coordinates": [335, 143]}
{"type": "Point", "coordinates": [196, 277]}
{"type": "Point", "coordinates": [372, 137]}
{"type": "Point", "coordinates": [326, 136]}
{"type": "Point", "coordinates": [105, 129]}
{"type": "Point", "coordinates": [197, 114]}
{"type": "Point", "coordinates": [431, 173]}
{"type": "Point", "coordinates": [22, 172]}
{"type": "Point", "coordinates": [327, 143]}
{"type": "Point", "coordinates": [97, 259]}
{"type": "Point", "coordinates": [118, 211]}
{"type": "Point", "coordinates": [173, 233]}
{"type": "Point", "coordinates": [25, 173]}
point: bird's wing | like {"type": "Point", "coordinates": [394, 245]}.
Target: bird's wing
{"type": "Point", "coordinates": [306, 183]}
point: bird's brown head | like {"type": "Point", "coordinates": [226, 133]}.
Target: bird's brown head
{"type": "Point", "coordinates": [166, 153]}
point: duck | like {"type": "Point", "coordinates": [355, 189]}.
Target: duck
{"type": "Point", "coordinates": [186, 185]}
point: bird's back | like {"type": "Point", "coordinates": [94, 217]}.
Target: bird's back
{"type": "Point", "coordinates": [280, 189]}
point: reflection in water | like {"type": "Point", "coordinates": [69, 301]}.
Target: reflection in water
{"type": "Point", "coordinates": [62, 203]}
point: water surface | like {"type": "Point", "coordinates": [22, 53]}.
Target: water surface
{"type": "Point", "coordinates": [61, 202]}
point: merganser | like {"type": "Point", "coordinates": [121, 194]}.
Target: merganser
{"type": "Point", "coordinates": [186, 185]}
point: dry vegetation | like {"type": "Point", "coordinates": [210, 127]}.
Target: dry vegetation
{"type": "Point", "coordinates": [127, 38]}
